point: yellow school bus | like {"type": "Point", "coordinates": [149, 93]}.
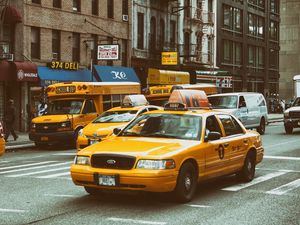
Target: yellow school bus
{"type": "Point", "coordinates": [72, 105]}
{"type": "Point", "coordinates": [159, 95]}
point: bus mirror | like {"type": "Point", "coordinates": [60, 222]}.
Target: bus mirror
{"type": "Point", "coordinates": [116, 131]}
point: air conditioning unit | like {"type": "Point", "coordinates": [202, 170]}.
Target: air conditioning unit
{"type": "Point", "coordinates": [54, 56]}
{"type": "Point", "coordinates": [125, 17]}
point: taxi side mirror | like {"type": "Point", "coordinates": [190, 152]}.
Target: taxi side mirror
{"type": "Point", "coordinates": [116, 131]}
{"type": "Point", "coordinates": [212, 136]}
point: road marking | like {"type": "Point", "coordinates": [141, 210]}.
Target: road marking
{"type": "Point", "coordinates": [198, 206]}
{"type": "Point", "coordinates": [54, 175]}
{"type": "Point", "coordinates": [24, 165]}
{"type": "Point", "coordinates": [281, 143]}
{"type": "Point", "coordinates": [31, 168]}
{"type": "Point", "coordinates": [37, 172]}
{"type": "Point", "coordinates": [282, 157]}
{"type": "Point", "coordinates": [66, 154]}
{"type": "Point", "coordinates": [131, 221]}
{"type": "Point", "coordinates": [253, 182]}
{"type": "Point", "coordinates": [269, 169]}
{"type": "Point", "coordinates": [13, 210]}
{"type": "Point", "coordinates": [285, 188]}
{"type": "Point", "coordinates": [4, 161]}
{"type": "Point", "coordinates": [63, 196]}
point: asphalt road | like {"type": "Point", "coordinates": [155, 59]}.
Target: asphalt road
{"type": "Point", "coordinates": [36, 189]}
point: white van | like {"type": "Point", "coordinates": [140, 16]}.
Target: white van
{"type": "Point", "coordinates": [249, 107]}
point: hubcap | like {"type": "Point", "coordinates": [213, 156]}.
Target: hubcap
{"type": "Point", "coordinates": [187, 183]}
{"type": "Point", "coordinates": [249, 166]}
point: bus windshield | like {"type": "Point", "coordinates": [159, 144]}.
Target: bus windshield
{"type": "Point", "coordinates": [116, 116]}
{"type": "Point", "coordinates": [186, 127]}
{"type": "Point", "coordinates": [65, 107]}
{"type": "Point", "coordinates": [223, 102]}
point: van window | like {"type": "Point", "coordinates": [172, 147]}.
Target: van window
{"type": "Point", "coordinates": [252, 100]}
{"type": "Point", "coordinates": [231, 126]}
{"type": "Point", "coordinates": [242, 102]}
{"type": "Point", "coordinates": [223, 102]}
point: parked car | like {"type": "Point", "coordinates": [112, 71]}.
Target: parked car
{"type": "Point", "coordinates": [249, 107]}
{"type": "Point", "coordinates": [292, 116]}
{"type": "Point", "coordinates": [2, 141]}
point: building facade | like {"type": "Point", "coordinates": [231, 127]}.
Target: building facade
{"type": "Point", "coordinates": [248, 43]}
{"type": "Point", "coordinates": [289, 47]}
{"type": "Point", "coordinates": [64, 31]}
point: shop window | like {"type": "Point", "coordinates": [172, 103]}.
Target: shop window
{"type": "Point", "coordinates": [76, 5]}
{"type": "Point", "coordinates": [140, 33]}
{"type": "Point", "coordinates": [110, 9]}
{"type": "Point", "coordinates": [57, 3]}
{"type": "Point", "coordinates": [35, 43]}
{"type": "Point", "coordinates": [76, 47]}
{"type": "Point", "coordinates": [55, 44]}
{"type": "Point", "coordinates": [95, 7]}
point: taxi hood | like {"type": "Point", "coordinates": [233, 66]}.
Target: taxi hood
{"type": "Point", "coordinates": [101, 129]}
{"type": "Point", "coordinates": [53, 118]}
{"type": "Point", "coordinates": [133, 146]}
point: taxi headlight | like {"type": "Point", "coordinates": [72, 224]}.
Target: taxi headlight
{"type": "Point", "coordinates": [286, 114]}
{"type": "Point", "coordinates": [156, 164]}
{"type": "Point", "coordinates": [82, 160]}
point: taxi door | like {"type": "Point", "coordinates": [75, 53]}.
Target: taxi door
{"type": "Point", "coordinates": [216, 152]}
{"type": "Point", "coordinates": [236, 141]}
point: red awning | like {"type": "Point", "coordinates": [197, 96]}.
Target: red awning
{"type": "Point", "coordinates": [11, 15]}
{"type": "Point", "coordinates": [25, 71]}
{"type": "Point", "coordinates": [4, 71]}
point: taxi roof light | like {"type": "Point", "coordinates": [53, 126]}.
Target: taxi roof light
{"type": "Point", "coordinates": [187, 99]}
{"type": "Point", "coordinates": [134, 100]}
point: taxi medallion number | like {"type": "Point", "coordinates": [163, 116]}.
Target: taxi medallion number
{"type": "Point", "coordinates": [107, 180]}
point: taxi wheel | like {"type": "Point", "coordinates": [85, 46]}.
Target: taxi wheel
{"type": "Point", "coordinates": [186, 183]}
{"type": "Point", "coordinates": [91, 190]}
{"type": "Point", "coordinates": [248, 171]}
{"type": "Point", "coordinates": [262, 126]}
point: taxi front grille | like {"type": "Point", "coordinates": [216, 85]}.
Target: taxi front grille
{"type": "Point", "coordinates": [46, 127]}
{"type": "Point", "coordinates": [112, 161]}
{"type": "Point", "coordinates": [295, 114]}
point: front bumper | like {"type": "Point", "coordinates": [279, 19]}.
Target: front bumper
{"type": "Point", "coordinates": [52, 137]}
{"type": "Point", "coordinates": [134, 180]}
{"type": "Point", "coordinates": [295, 122]}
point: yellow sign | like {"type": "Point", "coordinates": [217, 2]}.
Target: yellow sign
{"type": "Point", "coordinates": [169, 58]}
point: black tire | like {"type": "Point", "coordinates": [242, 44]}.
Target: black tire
{"type": "Point", "coordinates": [247, 173]}
{"type": "Point", "coordinates": [91, 190]}
{"type": "Point", "coordinates": [262, 126]}
{"type": "Point", "coordinates": [186, 185]}
{"type": "Point", "coordinates": [288, 129]}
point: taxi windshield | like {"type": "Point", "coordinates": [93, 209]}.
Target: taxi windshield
{"type": "Point", "coordinates": [178, 126]}
{"type": "Point", "coordinates": [223, 102]}
{"type": "Point", "coordinates": [116, 116]}
{"type": "Point", "coordinates": [65, 107]}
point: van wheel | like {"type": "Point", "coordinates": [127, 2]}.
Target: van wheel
{"type": "Point", "coordinates": [262, 126]}
{"type": "Point", "coordinates": [186, 183]}
{"type": "Point", "coordinates": [288, 129]}
{"type": "Point", "coordinates": [247, 173]}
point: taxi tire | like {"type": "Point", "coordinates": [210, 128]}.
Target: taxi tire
{"type": "Point", "coordinates": [247, 173]}
{"type": "Point", "coordinates": [92, 190]}
{"type": "Point", "coordinates": [262, 126]}
{"type": "Point", "coordinates": [187, 179]}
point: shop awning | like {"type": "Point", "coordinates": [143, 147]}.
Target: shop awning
{"type": "Point", "coordinates": [116, 74]}
{"type": "Point", "coordinates": [4, 71]}
{"type": "Point", "coordinates": [25, 71]}
{"type": "Point", "coordinates": [157, 77]}
{"type": "Point", "coordinates": [50, 76]}
{"type": "Point", "coordinates": [11, 15]}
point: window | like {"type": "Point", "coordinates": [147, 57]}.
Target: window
{"type": "Point", "coordinates": [232, 18]}
{"type": "Point", "coordinates": [274, 58]}
{"type": "Point", "coordinates": [256, 25]}
{"type": "Point", "coordinates": [36, 1]}
{"type": "Point", "coordinates": [95, 7]}
{"type": "Point", "coordinates": [76, 6]}
{"type": "Point", "coordinates": [57, 3]}
{"type": "Point", "coordinates": [257, 4]}
{"type": "Point", "coordinates": [231, 126]}
{"type": "Point", "coordinates": [89, 107]}
{"type": "Point", "coordinates": [110, 9]}
{"type": "Point", "coordinates": [140, 29]}
{"type": "Point", "coordinates": [273, 30]}
{"type": "Point", "coordinates": [125, 7]}
{"type": "Point", "coordinates": [212, 125]}
{"type": "Point", "coordinates": [256, 56]}
{"type": "Point", "coordinates": [232, 52]}
{"type": "Point", "coordinates": [76, 47]}
{"type": "Point", "coordinates": [274, 6]}
{"type": "Point", "coordinates": [210, 6]}
{"type": "Point", "coordinates": [55, 44]}
{"type": "Point", "coordinates": [35, 43]}
{"type": "Point", "coordinates": [172, 33]}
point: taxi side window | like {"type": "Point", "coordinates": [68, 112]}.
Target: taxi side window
{"type": "Point", "coordinates": [212, 125]}
{"type": "Point", "coordinates": [89, 107]}
{"type": "Point", "coordinates": [230, 125]}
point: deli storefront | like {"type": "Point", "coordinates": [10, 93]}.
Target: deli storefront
{"type": "Point", "coordinates": [16, 79]}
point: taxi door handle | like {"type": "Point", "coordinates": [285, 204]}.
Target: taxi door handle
{"type": "Point", "coordinates": [226, 145]}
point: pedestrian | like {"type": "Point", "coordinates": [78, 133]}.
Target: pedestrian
{"type": "Point", "coordinates": [9, 119]}
{"type": "Point", "coordinates": [42, 108]}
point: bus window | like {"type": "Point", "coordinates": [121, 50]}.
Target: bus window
{"type": "Point", "coordinates": [106, 102]}
{"type": "Point", "coordinates": [89, 107]}
{"type": "Point", "coordinates": [116, 101]}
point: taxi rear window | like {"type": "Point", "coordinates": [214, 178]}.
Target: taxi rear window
{"type": "Point", "coordinates": [177, 126]}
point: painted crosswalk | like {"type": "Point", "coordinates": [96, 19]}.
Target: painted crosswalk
{"type": "Point", "coordinates": [52, 169]}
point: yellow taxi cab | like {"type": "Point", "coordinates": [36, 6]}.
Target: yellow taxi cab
{"type": "Point", "coordinates": [170, 150]}
{"type": "Point", "coordinates": [2, 141]}
{"type": "Point", "coordinates": [117, 117]}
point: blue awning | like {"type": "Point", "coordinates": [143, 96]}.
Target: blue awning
{"type": "Point", "coordinates": [116, 74]}
{"type": "Point", "coordinates": [50, 76]}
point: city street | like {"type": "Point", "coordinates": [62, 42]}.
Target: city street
{"type": "Point", "coordinates": [36, 188]}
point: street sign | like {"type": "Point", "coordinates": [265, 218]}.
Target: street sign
{"type": "Point", "coordinates": [169, 58]}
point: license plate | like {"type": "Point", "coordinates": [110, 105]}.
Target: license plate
{"type": "Point", "coordinates": [93, 141]}
{"type": "Point", "coordinates": [44, 138]}
{"type": "Point", "coordinates": [107, 180]}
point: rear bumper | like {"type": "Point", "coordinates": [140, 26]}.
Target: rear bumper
{"type": "Point", "coordinates": [53, 137]}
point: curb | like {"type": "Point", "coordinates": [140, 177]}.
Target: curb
{"type": "Point", "coordinates": [19, 146]}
